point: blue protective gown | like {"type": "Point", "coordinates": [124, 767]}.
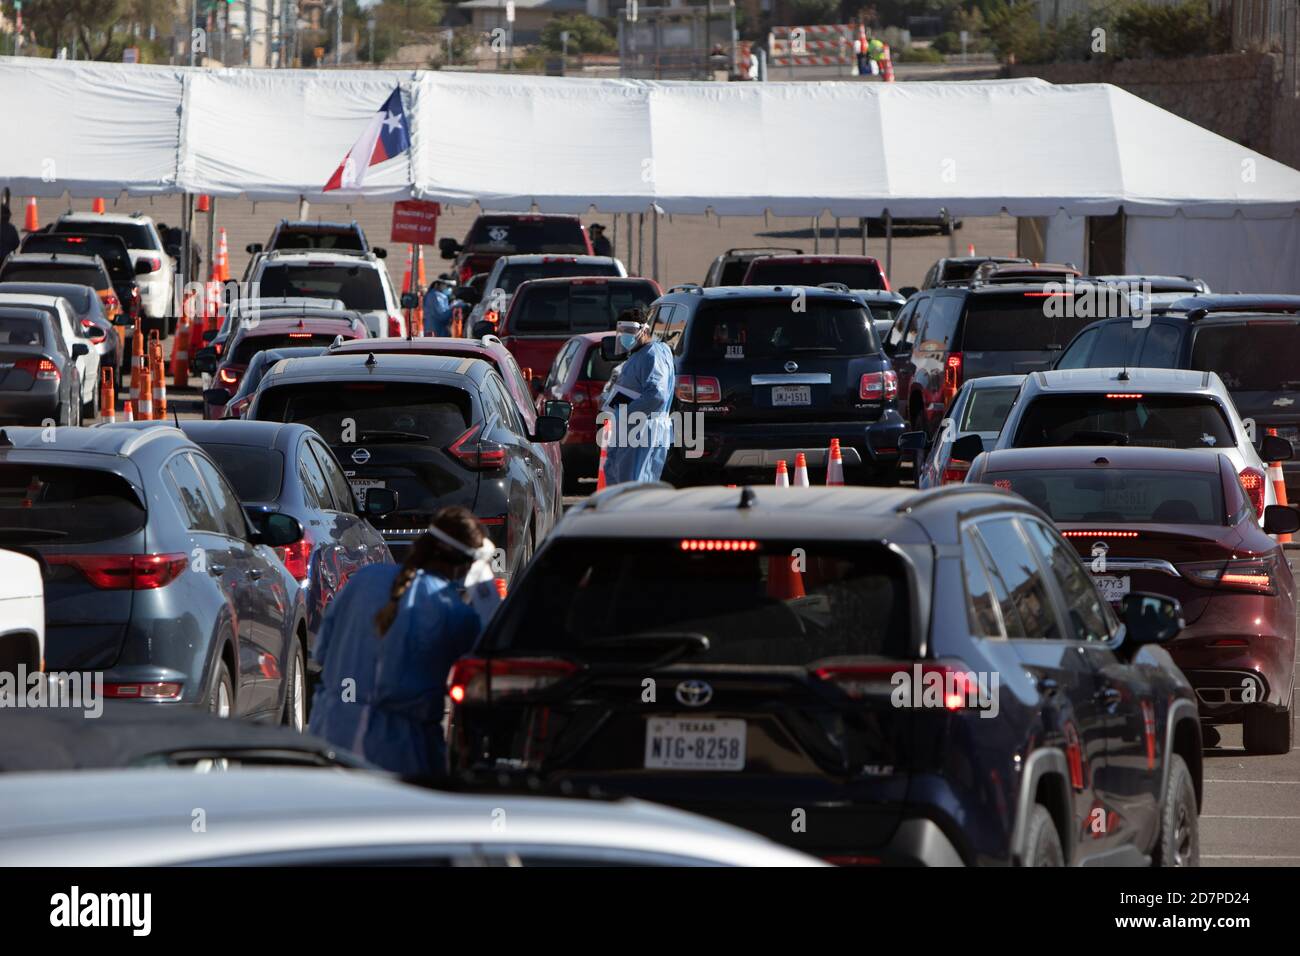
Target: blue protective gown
{"type": "Point", "coordinates": [393, 716]}
{"type": "Point", "coordinates": [650, 371]}
{"type": "Point", "coordinates": [437, 312]}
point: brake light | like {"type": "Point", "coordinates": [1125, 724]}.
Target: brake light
{"type": "Point", "coordinates": [112, 302]}
{"type": "Point", "coordinates": [952, 686]}
{"type": "Point", "coordinates": [229, 376]}
{"type": "Point", "coordinates": [75, 239]}
{"type": "Point", "coordinates": [471, 677]}
{"type": "Point", "coordinates": [877, 385]}
{"type": "Point", "coordinates": [125, 572]}
{"type": "Point", "coordinates": [217, 347]}
{"type": "Point", "coordinates": [1252, 483]}
{"type": "Point", "coordinates": [297, 558]}
{"type": "Point", "coordinates": [395, 326]}
{"type": "Point", "coordinates": [154, 262]}
{"type": "Point", "coordinates": [956, 471]}
{"type": "Point", "coordinates": [699, 389]}
{"type": "Point", "coordinates": [1247, 574]}
{"type": "Point", "coordinates": [43, 370]}
{"type": "Point", "coordinates": [475, 454]}
{"type": "Point", "coordinates": [466, 273]}
{"type": "Point", "coordinates": [92, 331]}
{"type": "Point", "coordinates": [150, 690]}
{"type": "Point", "coordinates": [1123, 395]}
{"type": "Point", "coordinates": [1099, 534]}
{"type": "Point", "coordinates": [717, 544]}
{"type": "Point", "coordinates": [951, 376]}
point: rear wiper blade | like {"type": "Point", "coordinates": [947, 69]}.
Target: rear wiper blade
{"type": "Point", "coordinates": [381, 434]}
{"type": "Point", "coordinates": [680, 643]}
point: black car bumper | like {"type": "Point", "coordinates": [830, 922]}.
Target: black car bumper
{"type": "Point", "coordinates": [30, 408]}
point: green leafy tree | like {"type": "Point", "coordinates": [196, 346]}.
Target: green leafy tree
{"type": "Point", "coordinates": [586, 34]}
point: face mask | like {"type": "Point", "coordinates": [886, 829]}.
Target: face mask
{"type": "Point", "coordinates": [626, 341]}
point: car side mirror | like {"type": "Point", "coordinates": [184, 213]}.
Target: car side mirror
{"type": "Point", "coordinates": [215, 396]}
{"type": "Point", "coordinates": [143, 267]}
{"type": "Point", "coordinates": [379, 502]}
{"type": "Point", "coordinates": [277, 530]}
{"type": "Point", "coordinates": [448, 248]}
{"type": "Point", "coordinates": [1275, 448]}
{"type": "Point", "coordinates": [1281, 519]}
{"type": "Point", "coordinates": [967, 448]}
{"type": "Point", "coordinates": [609, 350]}
{"type": "Point", "coordinates": [908, 291]}
{"type": "Point", "coordinates": [380, 252]}
{"type": "Point", "coordinates": [205, 362]}
{"type": "Point", "coordinates": [481, 328]}
{"type": "Point", "coordinates": [913, 441]}
{"type": "Point", "coordinates": [1149, 618]}
{"type": "Point", "coordinates": [79, 349]}
{"type": "Point", "coordinates": [410, 300]}
{"type": "Point", "coordinates": [556, 408]}
{"type": "Point", "coordinates": [253, 248]}
{"type": "Point", "coordinates": [468, 294]}
{"type": "Point", "coordinates": [550, 428]}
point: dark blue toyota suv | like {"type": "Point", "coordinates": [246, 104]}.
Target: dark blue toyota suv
{"type": "Point", "coordinates": [870, 676]}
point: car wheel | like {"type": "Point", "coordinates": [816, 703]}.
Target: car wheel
{"type": "Point", "coordinates": [295, 691]}
{"type": "Point", "coordinates": [1180, 839]}
{"type": "Point", "coordinates": [221, 698]}
{"type": "Point", "coordinates": [1043, 842]}
{"type": "Point", "coordinates": [1266, 731]}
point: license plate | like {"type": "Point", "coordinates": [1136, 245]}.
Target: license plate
{"type": "Point", "coordinates": [1111, 588]}
{"type": "Point", "coordinates": [792, 395]}
{"type": "Point", "coordinates": [361, 485]}
{"type": "Point", "coordinates": [688, 743]}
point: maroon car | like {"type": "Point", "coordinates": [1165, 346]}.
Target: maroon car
{"type": "Point", "coordinates": [856, 272]}
{"type": "Point", "coordinates": [1178, 523]}
{"type": "Point", "coordinates": [577, 376]}
{"type": "Point", "coordinates": [498, 234]}
{"type": "Point", "coordinates": [272, 334]}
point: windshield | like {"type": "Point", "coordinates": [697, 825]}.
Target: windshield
{"type": "Point", "coordinates": [844, 600]}
{"type": "Point", "coordinates": [134, 235]}
{"type": "Point", "coordinates": [1156, 421]}
{"type": "Point", "coordinates": [372, 412]}
{"type": "Point", "coordinates": [1254, 356]}
{"type": "Point", "coordinates": [767, 328]}
{"type": "Point", "coordinates": [855, 275]}
{"type": "Point", "coordinates": [357, 286]}
{"type": "Point", "coordinates": [573, 308]}
{"type": "Point", "coordinates": [1132, 496]}
{"type": "Point", "coordinates": [512, 276]}
{"type": "Point", "coordinates": [45, 504]}
{"type": "Point", "coordinates": [1020, 322]}
{"type": "Point", "coordinates": [987, 409]}
{"type": "Point", "coordinates": [508, 235]}
{"type": "Point", "coordinates": [54, 272]}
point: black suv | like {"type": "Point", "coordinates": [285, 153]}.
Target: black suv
{"type": "Point", "coordinates": [959, 270]}
{"type": "Point", "coordinates": [774, 371]}
{"type": "Point", "coordinates": [314, 234]}
{"type": "Point", "coordinates": [868, 675]}
{"type": "Point", "coordinates": [1250, 340]}
{"type": "Point", "coordinates": [730, 267]}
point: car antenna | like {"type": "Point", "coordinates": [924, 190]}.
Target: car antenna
{"type": "Point", "coordinates": [370, 360]}
{"type": "Point", "coordinates": [1123, 375]}
{"type": "Point", "coordinates": [747, 497]}
{"type": "Point", "coordinates": [175, 418]}
{"type": "Point", "coordinates": [5, 440]}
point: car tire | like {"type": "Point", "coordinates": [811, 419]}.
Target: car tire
{"type": "Point", "coordinates": [294, 712]}
{"type": "Point", "coordinates": [1179, 843]}
{"type": "Point", "coordinates": [1268, 731]}
{"type": "Point", "coordinates": [1042, 842]}
{"type": "Point", "coordinates": [221, 696]}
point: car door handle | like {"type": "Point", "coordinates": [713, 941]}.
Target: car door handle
{"type": "Point", "coordinates": [255, 574]}
{"type": "Point", "coordinates": [216, 570]}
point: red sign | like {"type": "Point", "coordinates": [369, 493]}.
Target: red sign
{"type": "Point", "coordinates": [415, 222]}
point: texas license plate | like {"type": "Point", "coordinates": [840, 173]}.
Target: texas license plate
{"type": "Point", "coordinates": [678, 743]}
{"type": "Point", "coordinates": [1111, 587]}
{"type": "Point", "coordinates": [792, 395]}
{"type": "Point", "coordinates": [361, 485]}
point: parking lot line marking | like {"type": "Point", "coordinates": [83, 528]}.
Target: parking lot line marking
{"type": "Point", "coordinates": [1228, 856]}
{"type": "Point", "coordinates": [1229, 816]}
{"type": "Point", "coordinates": [1221, 780]}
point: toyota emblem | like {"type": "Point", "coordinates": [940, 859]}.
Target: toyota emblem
{"type": "Point", "coordinates": [361, 456]}
{"type": "Point", "coordinates": [694, 693]}
{"type": "Point", "coordinates": [792, 366]}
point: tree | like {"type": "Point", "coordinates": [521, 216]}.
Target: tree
{"type": "Point", "coordinates": [586, 34]}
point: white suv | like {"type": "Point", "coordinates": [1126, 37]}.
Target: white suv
{"type": "Point", "coordinates": [359, 281]}
{"type": "Point", "coordinates": [143, 243]}
{"type": "Point", "coordinates": [22, 614]}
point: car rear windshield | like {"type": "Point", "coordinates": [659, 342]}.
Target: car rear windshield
{"type": "Point", "coordinates": [135, 235]}
{"type": "Point", "coordinates": [256, 473]}
{"type": "Point", "coordinates": [376, 413]}
{"type": "Point", "coordinates": [987, 409]}
{"type": "Point", "coordinates": [1132, 495]}
{"type": "Point", "coordinates": [19, 331]}
{"type": "Point", "coordinates": [608, 598]}
{"type": "Point", "coordinates": [309, 239]}
{"type": "Point", "coordinates": [1019, 322]}
{"type": "Point", "coordinates": [113, 254]}
{"type": "Point", "coordinates": [855, 275]}
{"type": "Point", "coordinates": [46, 504]}
{"type": "Point", "coordinates": [508, 235]}
{"type": "Point", "coordinates": [1254, 356]}
{"type": "Point", "coordinates": [357, 286]}
{"type": "Point", "coordinates": [767, 328]}
{"type": "Point", "coordinates": [1156, 421]}
{"type": "Point", "coordinates": [249, 346]}
{"type": "Point", "coordinates": [54, 272]}
{"type": "Point", "coordinates": [513, 276]}
{"type": "Point", "coordinates": [572, 308]}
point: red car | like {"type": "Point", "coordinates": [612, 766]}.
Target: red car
{"type": "Point", "coordinates": [855, 272]}
{"type": "Point", "coordinates": [546, 313]}
{"type": "Point", "coordinates": [1177, 522]}
{"type": "Point", "coordinates": [498, 234]}
{"type": "Point", "coordinates": [270, 334]}
{"type": "Point", "coordinates": [577, 376]}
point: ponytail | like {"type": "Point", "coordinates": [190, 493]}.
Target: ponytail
{"type": "Point", "coordinates": [430, 554]}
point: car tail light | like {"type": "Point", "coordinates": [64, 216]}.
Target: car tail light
{"type": "Point", "coordinates": [466, 273]}
{"type": "Point", "coordinates": [125, 572]}
{"type": "Point", "coordinates": [92, 331]}
{"type": "Point", "coordinates": [700, 389]}
{"type": "Point", "coordinates": [217, 347]}
{"type": "Point", "coordinates": [875, 386]}
{"type": "Point", "coordinates": [955, 473]}
{"type": "Point", "coordinates": [229, 376]}
{"type": "Point", "coordinates": [1124, 395]}
{"type": "Point", "coordinates": [951, 376]}
{"type": "Point", "coordinates": [148, 690]}
{"type": "Point", "coordinates": [718, 544]}
{"type": "Point", "coordinates": [1246, 574]}
{"type": "Point", "coordinates": [1252, 483]}
{"type": "Point", "coordinates": [135, 300]}
{"type": "Point", "coordinates": [111, 302]}
{"type": "Point", "coordinates": [950, 685]}
{"type": "Point", "coordinates": [475, 454]}
{"type": "Point", "coordinates": [1097, 534]}
{"type": "Point", "coordinates": [43, 370]}
{"type": "Point", "coordinates": [395, 326]}
{"type": "Point", "coordinates": [237, 409]}
{"type": "Point", "coordinates": [471, 677]}
{"type": "Point", "coordinates": [297, 557]}
{"type": "Point", "coordinates": [154, 262]}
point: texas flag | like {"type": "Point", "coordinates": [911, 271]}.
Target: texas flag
{"type": "Point", "coordinates": [385, 136]}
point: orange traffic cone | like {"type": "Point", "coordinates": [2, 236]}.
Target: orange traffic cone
{"type": "Point", "coordinates": [223, 258]}
{"type": "Point", "coordinates": [107, 397]}
{"type": "Point", "coordinates": [970, 248]}
{"type": "Point", "coordinates": [157, 376]}
{"type": "Point", "coordinates": [180, 352]}
{"type": "Point", "coordinates": [128, 411]}
{"type": "Point", "coordinates": [197, 327]}
{"type": "Point", "coordinates": [204, 204]}
{"type": "Point", "coordinates": [137, 362]}
{"type": "Point", "coordinates": [782, 475]}
{"type": "Point", "coordinates": [144, 405]}
{"type": "Point", "coordinates": [97, 206]}
{"type": "Point", "coordinates": [608, 432]}
{"type": "Point", "coordinates": [835, 465]}
{"type": "Point", "coordinates": [1276, 476]}
{"type": "Point", "coordinates": [33, 221]}
{"type": "Point", "coordinates": [801, 470]}
{"type": "Point", "coordinates": [887, 66]}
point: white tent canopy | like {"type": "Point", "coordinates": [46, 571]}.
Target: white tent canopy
{"type": "Point", "coordinates": [1025, 147]}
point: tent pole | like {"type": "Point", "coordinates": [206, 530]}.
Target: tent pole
{"type": "Point", "coordinates": [654, 232]}
{"type": "Point", "coordinates": [952, 233]}
{"type": "Point", "coordinates": [889, 242]}
{"type": "Point", "coordinates": [837, 235]}
{"type": "Point", "coordinates": [212, 231]}
{"type": "Point", "coordinates": [862, 224]}
{"type": "Point", "coordinates": [614, 240]}
{"type": "Point", "coordinates": [640, 243]}
{"type": "Point", "coordinates": [817, 233]}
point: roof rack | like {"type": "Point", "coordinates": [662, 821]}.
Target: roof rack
{"type": "Point", "coordinates": [694, 287]}
{"type": "Point", "coordinates": [732, 252]}
{"type": "Point", "coordinates": [1199, 306]}
{"type": "Point", "coordinates": [947, 491]}
{"type": "Point", "coordinates": [593, 502]}
{"type": "Point", "coordinates": [833, 286]}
